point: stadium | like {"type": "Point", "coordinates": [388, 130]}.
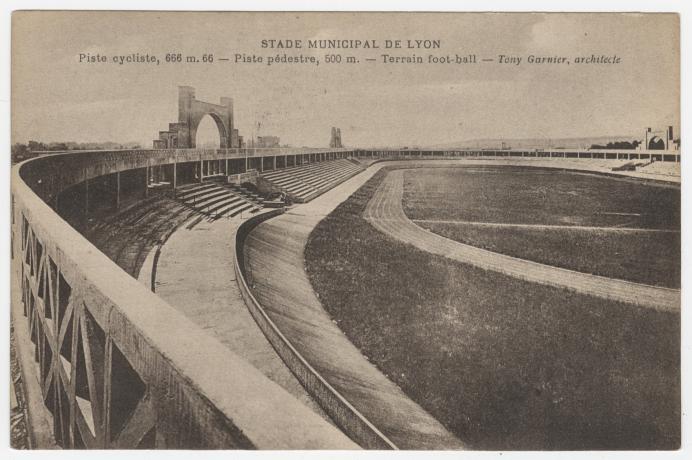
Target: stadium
{"type": "Point", "coordinates": [211, 253]}
{"type": "Point", "coordinates": [388, 299]}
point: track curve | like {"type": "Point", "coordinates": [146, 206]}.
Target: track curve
{"type": "Point", "coordinates": [275, 264]}
{"type": "Point", "coordinates": [385, 212]}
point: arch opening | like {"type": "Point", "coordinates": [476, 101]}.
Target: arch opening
{"type": "Point", "coordinates": [656, 143]}
{"type": "Point", "coordinates": [210, 133]}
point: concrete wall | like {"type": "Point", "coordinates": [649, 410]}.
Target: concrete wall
{"type": "Point", "coordinates": [57, 171]}
{"type": "Point", "coordinates": [242, 178]}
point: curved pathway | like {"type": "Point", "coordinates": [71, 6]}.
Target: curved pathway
{"type": "Point", "coordinates": [584, 228]}
{"type": "Point", "coordinates": [195, 275]}
{"type": "Point", "coordinates": [385, 212]}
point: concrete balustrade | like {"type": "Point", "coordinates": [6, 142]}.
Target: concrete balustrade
{"type": "Point", "coordinates": [117, 367]}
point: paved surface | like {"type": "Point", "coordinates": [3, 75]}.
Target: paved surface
{"type": "Point", "coordinates": [274, 255]}
{"type": "Point", "coordinates": [585, 228]}
{"type": "Point", "coordinates": [385, 212]}
{"type": "Point", "coordinates": [195, 275]}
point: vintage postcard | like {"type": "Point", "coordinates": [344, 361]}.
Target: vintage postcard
{"type": "Point", "coordinates": [345, 231]}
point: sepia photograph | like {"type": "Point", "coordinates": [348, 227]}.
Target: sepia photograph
{"type": "Point", "coordinates": [340, 231]}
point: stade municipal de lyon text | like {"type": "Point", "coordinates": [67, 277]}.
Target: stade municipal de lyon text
{"type": "Point", "coordinates": [350, 44]}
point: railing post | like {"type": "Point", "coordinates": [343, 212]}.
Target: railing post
{"type": "Point", "coordinates": [117, 190]}
{"type": "Point", "coordinates": [86, 194]}
{"type": "Point", "coordinates": [175, 174]}
{"type": "Point", "coordinates": [146, 180]}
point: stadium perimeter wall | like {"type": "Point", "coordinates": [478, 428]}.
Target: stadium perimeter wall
{"type": "Point", "coordinates": [100, 353]}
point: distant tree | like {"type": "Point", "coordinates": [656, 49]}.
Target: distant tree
{"type": "Point", "coordinates": [20, 152]}
{"type": "Point", "coordinates": [34, 146]}
{"type": "Point", "coordinates": [619, 145]}
{"type": "Point", "coordinates": [23, 151]}
{"type": "Point", "coordinates": [57, 146]}
{"type": "Point", "coordinates": [19, 149]}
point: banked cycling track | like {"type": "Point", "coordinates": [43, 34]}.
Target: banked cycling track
{"type": "Point", "coordinates": [274, 252]}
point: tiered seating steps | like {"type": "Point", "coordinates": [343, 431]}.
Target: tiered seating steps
{"type": "Point", "coordinates": [213, 200]}
{"type": "Point", "coordinates": [305, 182]}
{"type": "Point", "coordinates": [127, 236]}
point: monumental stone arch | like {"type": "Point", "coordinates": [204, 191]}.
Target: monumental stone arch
{"type": "Point", "coordinates": [656, 143]}
{"type": "Point", "coordinates": [190, 113]}
{"type": "Point", "coordinates": [661, 139]}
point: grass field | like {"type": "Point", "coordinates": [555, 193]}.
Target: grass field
{"type": "Point", "coordinates": [650, 258]}
{"type": "Point", "coordinates": [503, 363]}
{"type": "Point", "coordinates": [521, 196]}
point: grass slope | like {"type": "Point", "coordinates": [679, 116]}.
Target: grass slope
{"type": "Point", "coordinates": [503, 363]}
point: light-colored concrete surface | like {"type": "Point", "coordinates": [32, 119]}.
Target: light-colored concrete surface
{"type": "Point", "coordinates": [144, 275]}
{"type": "Point", "coordinates": [573, 164]}
{"type": "Point", "coordinates": [195, 275]}
{"type": "Point", "coordinates": [13, 396]}
{"type": "Point", "coordinates": [584, 228]}
{"type": "Point", "coordinates": [274, 254]}
{"type": "Point", "coordinates": [385, 212]}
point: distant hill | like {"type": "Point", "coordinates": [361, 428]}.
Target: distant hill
{"type": "Point", "coordinates": [536, 143]}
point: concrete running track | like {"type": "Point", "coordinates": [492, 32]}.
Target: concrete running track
{"type": "Point", "coordinates": [585, 228]}
{"type": "Point", "coordinates": [385, 212]}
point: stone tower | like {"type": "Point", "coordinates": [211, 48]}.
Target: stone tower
{"type": "Point", "coordinates": [335, 141]}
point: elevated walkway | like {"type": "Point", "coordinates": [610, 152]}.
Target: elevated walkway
{"type": "Point", "coordinates": [195, 275]}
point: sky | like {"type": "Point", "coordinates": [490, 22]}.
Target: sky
{"type": "Point", "coordinates": [57, 98]}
